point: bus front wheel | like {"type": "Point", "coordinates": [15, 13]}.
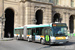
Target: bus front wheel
{"type": "Point", "coordinates": [42, 41]}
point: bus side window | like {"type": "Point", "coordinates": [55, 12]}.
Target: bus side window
{"type": "Point", "coordinates": [17, 31]}
{"type": "Point", "coordinates": [37, 31]}
{"type": "Point", "coordinates": [42, 31]}
{"type": "Point", "coordinates": [21, 31]}
{"type": "Point", "coordinates": [29, 31]}
{"type": "Point", "coordinates": [33, 31]}
{"type": "Point", "coordinates": [50, 32]}
{"type": "Point", "coordinates": [46, 31]}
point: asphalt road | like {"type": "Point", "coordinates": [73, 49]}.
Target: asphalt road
{"type": "Point", "coordinates": [24, 45]}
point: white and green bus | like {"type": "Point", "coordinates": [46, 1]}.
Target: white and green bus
{"type": "Point", "coordinates": [53, 33]}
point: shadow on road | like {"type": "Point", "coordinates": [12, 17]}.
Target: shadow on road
{"type": "Point", "coordinates": [69, 43]}
{"type": "Point", "coordinates": [65, 44]}
{"type": "Point", "coordinates": [43, 47]}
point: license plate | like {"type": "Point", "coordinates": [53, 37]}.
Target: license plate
{"type": "Point", "coordinates": [60, 42]}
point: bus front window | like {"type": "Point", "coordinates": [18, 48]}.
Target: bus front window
{"type": "Point", "coordinates": [59, 31]}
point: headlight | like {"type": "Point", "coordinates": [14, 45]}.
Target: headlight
{"type": "Point", "coordinates": [67, 37]}
{"type": "Point", "coordinates": [53, 38]}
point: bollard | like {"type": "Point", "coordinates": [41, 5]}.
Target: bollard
{"type": "Point", "coordinates": [68, 34]}
{"type": "Point", "coordinates": [71, 34]}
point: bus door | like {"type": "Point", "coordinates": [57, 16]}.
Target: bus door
{"type": "Point", "coordinates": [33, 34]}
{"type": "Point", "coordinates": [20, 33]}
{"type": "Point", "coordinates": [47, 35]}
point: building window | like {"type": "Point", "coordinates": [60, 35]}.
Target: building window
{"type": "Point", "coordinates": [72, 3]}
{"type": "Point", "coordinates": [55, 2]}
{"type": "Point", "coordinates": [42, 0]}
{"type": "Point", "coordinates": [50, 1]}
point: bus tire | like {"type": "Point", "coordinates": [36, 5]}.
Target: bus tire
{"type": "Point", "coordinates": [28, 39]}
{"type": "Point", "coordinates": [42, 41]}
{"type": "Point", "coordinates": [17, 38]}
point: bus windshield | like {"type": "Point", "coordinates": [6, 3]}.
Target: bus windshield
{"type": "Point", "coordinates": [59, 31]}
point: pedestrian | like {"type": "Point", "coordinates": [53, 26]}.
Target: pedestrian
{"type": "Point", "coordinates": [9, 34]}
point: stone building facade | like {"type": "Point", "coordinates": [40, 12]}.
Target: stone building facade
{"type": "Point", "coordinates": [24, 12]}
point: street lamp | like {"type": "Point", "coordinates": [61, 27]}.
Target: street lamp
{"type": "Point", "coordinates": [2, 19]}
{"type": "Point", "coordinates": [34, 20]}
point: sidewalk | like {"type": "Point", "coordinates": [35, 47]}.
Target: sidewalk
{"type": "Point", "coordinates": [72, 37]}
{"type": "Point", "coordinates": [6, 39]}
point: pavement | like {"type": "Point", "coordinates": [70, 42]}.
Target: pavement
{"type": "Point", "coordinates": [6, 39]}
{"type": "Point", "coordinates": [25, 45]}
{"type": "Point", "coordinates": [72, 38]}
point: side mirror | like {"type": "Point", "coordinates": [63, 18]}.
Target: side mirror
{"type": "Point", "coordinates": [67, 27]}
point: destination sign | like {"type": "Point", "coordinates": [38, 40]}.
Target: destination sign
{"type": "Point", "coordinates": [59, 25]}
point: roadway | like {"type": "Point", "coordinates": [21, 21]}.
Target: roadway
{"type": "Point", "coordinates": [24, 45]}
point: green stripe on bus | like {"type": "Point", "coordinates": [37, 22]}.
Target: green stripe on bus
{"type": "Point", "coordinates": [73, 34]}
{"type": "Point", "coordinates": [47, 37]}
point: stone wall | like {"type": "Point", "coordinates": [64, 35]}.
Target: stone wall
{"type": "Point", "coordinates": [24, 12]}
{"type": "Point", "coordinates": [65, 13]}
{"type": "Point", "coordinates": [0, 15]}
{"type": "Point", "coordinates": [31, 9]}
{"type": "Point", "coordinates": [0, 8]}
{"type": "Point", "coordinates": [15, 7]}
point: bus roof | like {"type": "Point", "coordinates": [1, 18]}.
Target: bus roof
{"type": "Point", "coordinates": [45, 25]}
{"type": "Point", "coordinates": [19, 28]}
{"type": "Point", "coordinates": [35, 26]}
{"type": "Point", "coordinates": [41, 25]}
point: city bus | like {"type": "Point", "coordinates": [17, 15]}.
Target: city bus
{"type": "Point", "coordinates": [53, 33]}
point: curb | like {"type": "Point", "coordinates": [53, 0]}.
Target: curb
{"type": "Point", "coordinates": [71, 38]}
{"type": "Point", "coordinates": [6, 39]}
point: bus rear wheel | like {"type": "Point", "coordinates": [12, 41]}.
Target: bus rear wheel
{"type": "Point", "coordinates": [28, 39]}
{"type": "Point", "coordinates": [17, 38]}
{"type": "Point", "coordinates": [42, 41]}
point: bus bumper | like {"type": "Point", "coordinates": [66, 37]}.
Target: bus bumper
{"type": "Point", "coordinates": [59, 41]}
